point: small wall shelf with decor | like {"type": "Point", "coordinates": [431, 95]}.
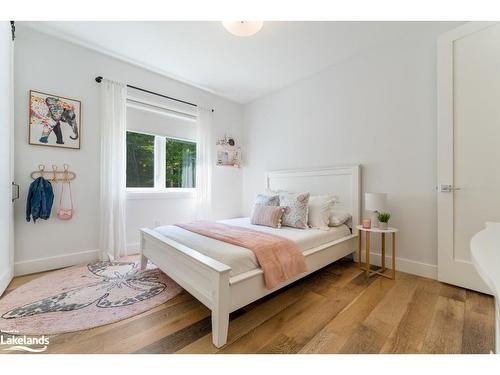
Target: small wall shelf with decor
{"type": "Point", "coordinates": [228, 154]}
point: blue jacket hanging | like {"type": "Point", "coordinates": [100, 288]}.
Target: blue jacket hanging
{"type": "Point", "coordinates": [40, 199]}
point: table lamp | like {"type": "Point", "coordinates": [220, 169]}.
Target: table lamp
{"type": "Point", "coordinates": [375, 202]}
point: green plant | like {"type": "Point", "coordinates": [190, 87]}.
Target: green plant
{"type": "Point", "coordinates": [383, 217]}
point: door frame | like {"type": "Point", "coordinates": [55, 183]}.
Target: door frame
{"type": "Point", "coordinates": [5, 281]}
{"type": "Point", "coordinates": [450, 270]}
{"type": "Point", "coordinates": [12, 143]}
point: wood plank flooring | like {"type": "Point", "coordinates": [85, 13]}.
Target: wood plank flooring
{"type": "Point", "coordinates": [335, 310]}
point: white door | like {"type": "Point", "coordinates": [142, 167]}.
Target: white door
{"type": "Point", "coordinates": [468, 146]}
{"type": "Point", "coordinates": [6, 132]}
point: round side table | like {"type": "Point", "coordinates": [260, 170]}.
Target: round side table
{"type": "Point", "coordinates": [383, 269]}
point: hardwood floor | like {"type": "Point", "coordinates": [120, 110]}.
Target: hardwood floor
{"type": "Point", "coordinates": [335, 310]}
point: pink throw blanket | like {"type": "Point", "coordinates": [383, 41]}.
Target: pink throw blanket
{"type": "Point", "coordinates": [279, 257]}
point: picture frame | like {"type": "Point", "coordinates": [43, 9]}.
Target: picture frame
{"type": "Point", "coordinates": [229, 156]}
{"type": "Point", "coordinates": [54, 121]}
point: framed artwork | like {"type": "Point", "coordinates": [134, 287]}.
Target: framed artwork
{"type": "Point", "coordinates": [228, 154]}
{"type": "Point", "coordinates": [54, 121]}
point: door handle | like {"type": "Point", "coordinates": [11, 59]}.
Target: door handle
{"type": "Point", "coordinates": [447, 188]}
{"type": "Point", "coordinates": [17, 192]}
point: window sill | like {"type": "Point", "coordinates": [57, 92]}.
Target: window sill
{"type": "Point", "coordinates": [161, 194]}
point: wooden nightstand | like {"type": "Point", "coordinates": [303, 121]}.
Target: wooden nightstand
{"type": "Point", "coordinates": [383, 269]}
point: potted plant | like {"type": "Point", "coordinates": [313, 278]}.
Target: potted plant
{"type": "Point", "coordinates": [383, 219]}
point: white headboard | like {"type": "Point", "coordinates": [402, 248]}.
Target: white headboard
{"type": "Point", "coordinates": [342, 181]}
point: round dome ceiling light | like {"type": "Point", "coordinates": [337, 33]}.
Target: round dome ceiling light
{"type": "Point", "coordinates": [243, 28]}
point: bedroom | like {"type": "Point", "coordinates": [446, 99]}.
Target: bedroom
{"type": "Point", "coordinates": [250, 187]}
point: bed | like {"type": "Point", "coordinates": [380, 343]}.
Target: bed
{"type": "Point", "coordinates": [226, 277]}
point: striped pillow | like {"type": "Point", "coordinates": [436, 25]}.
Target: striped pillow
{"type": "Point", "coordinates": [269, 216]}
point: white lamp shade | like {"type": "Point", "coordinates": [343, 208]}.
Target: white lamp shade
{"type": "Point", "coordinates": [375, 201]}
{"type": "Point", "coordinates": [243, 28]}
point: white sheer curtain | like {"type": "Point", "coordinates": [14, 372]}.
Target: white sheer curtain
{"type": "Point", "coordinates": [113, 169]}
{"type": "Point", "coordinates": [205, 159]}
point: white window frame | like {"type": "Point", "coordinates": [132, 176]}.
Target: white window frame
{"type": "Point", "coordinates": [159, 190]}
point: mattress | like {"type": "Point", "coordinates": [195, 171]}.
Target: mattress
{"type": "Point", "coordinates": [240, 259]}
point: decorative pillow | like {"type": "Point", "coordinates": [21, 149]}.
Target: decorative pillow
{"type": "Point", "coordinates": [269, 216]}
{"type": "Point", "coordinates": [337, 218]}
{"type": "Point", "coordinates": [267, 199]}
{"type": "Point", "coordinates": [296, 208]}
{"type": "Point", "coordinates": [319, 211]}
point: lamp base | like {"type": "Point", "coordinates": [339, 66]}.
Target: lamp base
{"type": "Point", "coordinates": [374, 219]}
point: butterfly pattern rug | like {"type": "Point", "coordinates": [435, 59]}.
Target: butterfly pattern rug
{"type": "Point", "coordinates": [83, 297]}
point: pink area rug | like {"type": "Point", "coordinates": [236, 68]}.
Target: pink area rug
{"type": "Point", "coordinates": [83, 297]}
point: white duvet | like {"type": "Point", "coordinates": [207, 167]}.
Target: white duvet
{"type": "Point", "coordinates": [243, 260]}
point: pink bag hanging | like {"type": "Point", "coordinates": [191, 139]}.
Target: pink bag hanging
{"type": "Point", "coordinates": [65, 213]}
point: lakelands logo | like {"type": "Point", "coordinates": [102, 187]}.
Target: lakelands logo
{"type": "Point", "coordinates": [24, 343]}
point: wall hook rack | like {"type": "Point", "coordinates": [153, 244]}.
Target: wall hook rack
{"type": "Point", "coordinates": [54, 175]}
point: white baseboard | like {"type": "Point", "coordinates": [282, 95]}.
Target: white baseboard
{"type": "Point", "coordinates": [50, 263]}
{"type": "Point", "coordinates": [405, 265]}
{"type": "Point", "coordinates": [5, 280]}
{"type": "Point", "coordinates": [133, 248]}
{"type": "Point", "coordinates": [54, 262]}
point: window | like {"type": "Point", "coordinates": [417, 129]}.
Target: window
{"type": "Point", "coordinates": [140, 160]}
{"type": "Point", "coordinates": [160, 162]}
{"type": "Point", "coordinates": [180, 163]}
{"type": "Point", "coordinates": [161, 148]}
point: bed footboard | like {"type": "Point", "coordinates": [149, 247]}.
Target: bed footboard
{"type": "Point", "coordinates": [203, 277]}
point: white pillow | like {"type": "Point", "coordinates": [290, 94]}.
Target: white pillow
{"type": "Point", "coordinates": [320, 207]}
{"type": "Point", "coordinates": [338, 218]}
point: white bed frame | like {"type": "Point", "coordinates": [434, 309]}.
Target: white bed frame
{"type": "Point", "coordinates": [208, 279]}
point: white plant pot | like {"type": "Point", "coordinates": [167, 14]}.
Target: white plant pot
{"type": "Point", "coordinates": [382, 225]}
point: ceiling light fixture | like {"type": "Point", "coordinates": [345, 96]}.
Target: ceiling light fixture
{"type": "Point", "coordinates": [243, 28]}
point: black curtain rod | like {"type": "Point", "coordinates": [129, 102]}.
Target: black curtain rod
{"type": "Point", "coordinates": [99, 80]}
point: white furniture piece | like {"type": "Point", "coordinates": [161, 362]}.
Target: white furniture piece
{"type": "Point", "coordinates": [485, 255]}
{"type": "Point", "coordinates": [208, 280]}
{"type": "Point", "coordinates": [375, 202]}
{"type": "Point", "coordinates": [383, 232]}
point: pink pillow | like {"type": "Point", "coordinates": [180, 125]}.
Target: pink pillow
{"type": "Point", "coordinates": [270, 216]}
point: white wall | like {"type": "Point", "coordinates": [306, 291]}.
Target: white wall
{"type": "Point", "coordinates": [377, 109]}
{"type": "Point", "coordinates": [54, 66]}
